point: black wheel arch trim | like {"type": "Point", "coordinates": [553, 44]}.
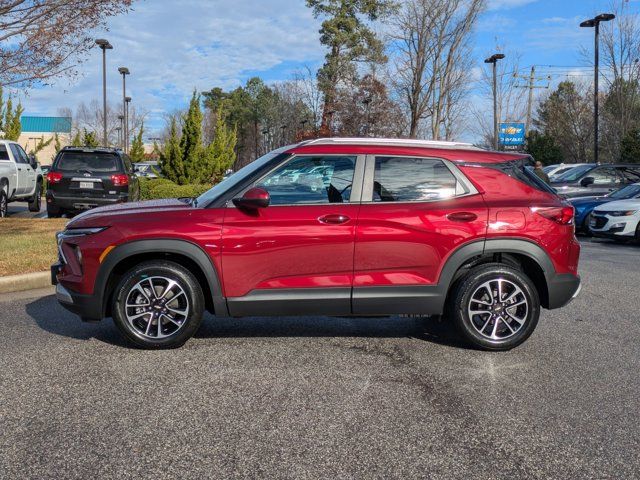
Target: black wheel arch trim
{"type": "Point", "coordinates": [160, 245]}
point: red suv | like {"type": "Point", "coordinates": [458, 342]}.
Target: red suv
{"type": "Point", "coordinates": [333, 227]}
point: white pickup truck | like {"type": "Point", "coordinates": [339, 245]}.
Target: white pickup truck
{"type": "Point", "coordinates": [20, 177]}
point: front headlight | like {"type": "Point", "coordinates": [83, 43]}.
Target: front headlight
{"type": "Point", "coordinates": [623, 213]}
{"type": "Point", "coordinates": [81, 232]}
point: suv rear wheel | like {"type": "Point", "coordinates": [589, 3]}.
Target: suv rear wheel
{"type": "Point", "coordinates": [495, 307]}
{"type": "Point", "coordinates": [35, 202]}
{"type": "Point", "coordinates": [158, 304]}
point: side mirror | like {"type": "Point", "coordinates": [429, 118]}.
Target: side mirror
{"type": "Point", "coordinates": [253, 199]}
{"type": "Point", "coordinates": [33, 161]}
{"type": "Point", "coordinates": [586, 181]}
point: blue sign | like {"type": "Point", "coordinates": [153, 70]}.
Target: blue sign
{"type": "Point", "coordinates": [511, 133]}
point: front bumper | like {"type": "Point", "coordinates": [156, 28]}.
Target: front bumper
{"type": "Point", "coordinates": [563, 288]}
{"type": "Point", "coordinates": [88, 307]}
{"type": "Point", "coordinates": [608, 226]}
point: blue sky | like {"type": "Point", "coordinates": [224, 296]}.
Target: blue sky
{"type": "Point", "coordinates": [172, 47]}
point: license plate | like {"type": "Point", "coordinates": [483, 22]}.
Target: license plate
{"type": "Point", "coordinates": [86, 184]}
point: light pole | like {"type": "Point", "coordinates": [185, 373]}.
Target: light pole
{"type": "Point", "coordinates": [595, 22]}
{"type": "Point", "coordinates": [127, 101]}
{"type": "Point", "coordinates": [104, 46]}
{"type": "Point", "coordinates": [493, 59]}
{"type": "Point", "coordinates": [124, 71]}
{"type": "Point", "coordinates": [119, 131]}
{"type": "Point", "coordinates": [121, 138]}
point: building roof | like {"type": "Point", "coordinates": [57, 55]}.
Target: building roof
{"type": "Point", "coordinates": [46, 124]}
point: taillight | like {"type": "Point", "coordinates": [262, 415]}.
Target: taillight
{"type": "Point", "coordinates": [561, 215]}
{"type": "Point", "coordinates": [119, 180]}
{"type": "Point", "coordinates": [54, 177]}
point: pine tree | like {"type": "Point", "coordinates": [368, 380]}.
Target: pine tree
{"type": "Point", "coordinates": [220, 154]}
{"type": "Point", "coordinates": [77, 140]}
{"type": "Point", "coordinates": [89, 139]}
{"type": "Point", "coordinates": [630, 147]}
{"type": "Point", "coordinates": [11, 125]}
{"type": "Point", "coordinates": [191, 141]}
{"type": "Point", "coordinates": [57, 145]}
{"type": "Point", "coordinates": [137, 147]}
{"type": "Point", "coordinates": [171, 162]}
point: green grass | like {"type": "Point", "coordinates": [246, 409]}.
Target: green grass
{"type": "Point", "coordinates": [28, 245]}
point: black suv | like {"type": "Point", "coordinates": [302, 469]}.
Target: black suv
{"type": "Point", "coordinates": [595, 180]}
{"type": "Point", "coordinates": [84, 177]}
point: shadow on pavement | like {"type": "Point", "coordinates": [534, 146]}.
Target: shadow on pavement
{"type": "Point", "coordinates": [53, 318]}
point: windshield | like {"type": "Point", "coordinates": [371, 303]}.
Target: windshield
{"type": "Point", "coordinates": [573, 174]}
{"type": "Point", "coordinates": [630, 191]}
{"type": "Point", "coordinates": [235, 178]}
{"type": "Point", "coordinates": [88, 162]}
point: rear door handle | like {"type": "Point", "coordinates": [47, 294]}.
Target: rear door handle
{"type": "Point", "coordinates": [462, 217]}
{"type": "Point", "coordinates": [334, 219]}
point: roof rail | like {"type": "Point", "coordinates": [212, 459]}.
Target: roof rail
{"type": "Point", "coordinates": [400, 142]}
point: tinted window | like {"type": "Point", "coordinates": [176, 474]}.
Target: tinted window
{"type": "Point", "coordinates": [18, 154]}
{"type": "Point", "coordinates": [310, 180]}
{"type": "Point", "coordinates": [630, 191]}
{"type": "Point", "coordinates": [604, 176]}
{"type": "Point", "coordinates": [88, 161]}
{"type": "Point", "coordinates": [522, 170]}
{"type": "Point", "coordinates": [574, 174]}
{"type": "Point", "coordinates": [4, 154]}
{"type": "Point", "coordinates": [400, 179]}
{"type": "Point", "coordinates": [630, 174]}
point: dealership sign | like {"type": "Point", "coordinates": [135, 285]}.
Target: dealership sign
{"type": "Point", "coordinates": [511, 134]}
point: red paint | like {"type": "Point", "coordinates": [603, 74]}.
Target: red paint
{"type": "Point", "coordinates": [339, 245]}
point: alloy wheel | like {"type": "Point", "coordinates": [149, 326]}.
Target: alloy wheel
{"type": "Point", "coordinates": [498, 309]}
{"type": "Point", "coordinates": [156, 307]}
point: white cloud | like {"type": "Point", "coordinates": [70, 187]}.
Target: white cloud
{"type": "Point", "coordinates": [172, 47]}
{"type": "Point", "coordinates": [507, 4]}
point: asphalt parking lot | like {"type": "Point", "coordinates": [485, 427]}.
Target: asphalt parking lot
{"type": "Point", "coordinates": [329, 397]}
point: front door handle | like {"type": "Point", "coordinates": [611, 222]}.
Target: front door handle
{"type": "Point", "coordinates": [462, 217]}
{"type": "Point", "coordinates": [334, 219]}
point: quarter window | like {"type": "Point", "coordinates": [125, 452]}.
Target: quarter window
{"type": "Point", "coordinates": [399, 179]}
{"type": "Point", "coordinates": [4, 154]}
{"type": "Point", "coordinates": [311, 180]}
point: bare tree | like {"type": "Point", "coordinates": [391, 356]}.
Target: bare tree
{"type": "Point", "coordinates": [40, 39]}
{"type": "Point", "coordinates": [89, 116]}
{"type": "Point", "coordinates": [431, 38]}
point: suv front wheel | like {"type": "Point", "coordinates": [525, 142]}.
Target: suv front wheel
{"type": "Point", "coordinates": [495, 307]}
{"type": "Point", "coordinates": [158, 304]}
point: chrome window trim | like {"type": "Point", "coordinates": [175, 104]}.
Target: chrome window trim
{"type": "Point", "coordinates": [367, 195]}
{"type": "Point", "coordinates": [356, 185]}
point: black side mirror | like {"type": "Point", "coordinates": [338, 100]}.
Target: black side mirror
{"type": "Point", "coordinates": [33, 161]}
{"type": "Point", "coordinates": [253, 199]}
{"type": "Point", "coordinates": [586, 181]}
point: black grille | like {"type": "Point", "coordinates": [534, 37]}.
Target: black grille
{"type": "Point", "coordinates": [600, 222]}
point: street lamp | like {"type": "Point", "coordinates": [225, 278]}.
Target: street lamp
{"type": "Point", "coordinates": [104, 46]}
{"type": "Point", "coordinates": [127, 101]}
{"type": "Point", "coordinates": [595, 22]}
{"type": "Point", "coordinates": [121, 138]}
{"type": "Point", "coordinates": [124, 71]}
{"type": "Point", "coordinates": [119, 131]}
{"type": "Point", "coordinates": [493, 59]}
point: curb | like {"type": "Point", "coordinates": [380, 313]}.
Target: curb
{"type": "Point", "coordinates": [27, 281]}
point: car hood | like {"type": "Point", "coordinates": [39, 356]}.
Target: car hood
{"type": "Point", "coordinates": [102, 215]}
{"type": "Point", "coordinates": [631, 204]}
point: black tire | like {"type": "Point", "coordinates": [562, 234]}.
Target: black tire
{"type": "Point", "coordinates": [638, 233]}
{"type": "Point", "coordinates": [460, 301]}
{"type": "Point", "coordinates": [53, 212]}
{"type": "Point", "coordinates": [166, 270]}
{"type": "Point", "coordinates": [35, 202]}
{"type": "Point", "coordinates": [4, 203]}
{"type": "Point", "coordinates": [586, 229]}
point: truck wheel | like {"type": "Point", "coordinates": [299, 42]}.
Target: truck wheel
{"type": "Point", "coordinates": [494, 307]}
{"type": "Point", "coordinates": [158, 304]}
{"type": "Point", "coordinates": [35, 202]}
{"type": "Point", "coordinates": [3, 203]}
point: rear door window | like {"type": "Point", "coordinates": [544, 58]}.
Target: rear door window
{"type": "Point", "coordinates": [90, 162]}
{"type": "Point", "coordinates": [4, 154]}
{"type": "Point", "coordinates": [401, 179]}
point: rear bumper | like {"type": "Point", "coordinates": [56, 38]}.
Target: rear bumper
{"type": "Point", "coordinates": [83, 203]}
{"type": "Point", "coordinates": [563, 288]}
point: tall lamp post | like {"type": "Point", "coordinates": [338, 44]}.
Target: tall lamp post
{"type": "Point", "coordinates": [127, 101]}
{"type": "Point", "coordinates": [493, 59]}
{"type": "Point", "coordinates": [121, 137]}
{"type": "Point", "coordinates": [595, 22]}
{"type": "Point", "coordinates": [104, 46]}
{"type": "Point", "coordinates": [124, 71]}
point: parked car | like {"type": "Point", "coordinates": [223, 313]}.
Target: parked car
{"type": "Point", "coordinates": [592, 180]}
{"type": "Point", "coordinates": [559, 168]}
{"type": "Point", "coordinates": [82, 178]}
{"type": "Point", "coordinates": [20, 178]}
{"type": "Point", "coordinates": [618, 220]}
{"type": "Point", "coordinates": [146, 169]}
{"type": "Point", "coordinates": [585, 205]}
{"type": "Point", "coordinates": [388, 227]}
